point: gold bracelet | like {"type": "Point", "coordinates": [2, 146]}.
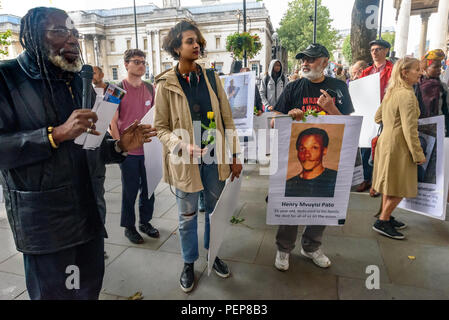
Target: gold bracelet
{"type": "Point", "coordinates": [50, 138]}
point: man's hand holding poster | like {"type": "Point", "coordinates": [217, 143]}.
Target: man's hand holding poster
{"type": "Point", "coordinates": [315, 168]}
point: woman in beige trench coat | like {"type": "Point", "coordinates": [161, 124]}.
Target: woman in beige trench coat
{"type": "Point", "coordinates": [194, 160]}
{"type": "Point", "coordinates": [398, 150]}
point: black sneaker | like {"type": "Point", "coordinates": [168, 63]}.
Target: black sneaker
{"type": "Point", "coordinates": [149, 230]}
{"type": "Point", "coordinates": [133, 235]}
{"type": "Point", "coordinates": [398, 225]}
{"type": "Point", "coordinates": [386, 228]}
{"type": "Point", "coordinates": [187, 279]}
{"type": "Point", "coordinates": [221, 269]}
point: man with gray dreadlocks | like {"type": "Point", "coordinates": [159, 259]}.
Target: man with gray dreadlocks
{"type": "Point", "coordinates": [53, 188]}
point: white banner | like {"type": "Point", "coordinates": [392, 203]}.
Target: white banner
{"type": "Point", "coordinates": [153, 156]}
{"type": "Point", "coordinates": [357, 177]}
{"type": "Point", "coordinates": [365, 96]}
{"type": "Point", "coordinates": [432, 175]}
{"type": "Point", "coordinates": [219, 219]}
{"type": "Point", "coordinates": [240, 89]}
{"type": "Point", "coordinates": [315, 168]}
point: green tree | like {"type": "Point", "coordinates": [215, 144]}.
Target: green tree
{"type": "Point", "coordinates": [296, 27]}
{"type": "Point", "coordinates": [4, 41]}
{"type": "Point", "coordinates": [390, 37]}
{"type": "Point", "coordinates": [346, 49]}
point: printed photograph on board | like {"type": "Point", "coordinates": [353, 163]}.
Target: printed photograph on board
{"type": "Point", "coordinates": [314, 155]}
{"type": "Point", "coordinates": [237, 92]}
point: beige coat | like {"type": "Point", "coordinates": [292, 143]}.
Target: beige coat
{"type": "Point", "coordinates": [398, 149]}
{"type": "Point", "coordinates": [172, 112]}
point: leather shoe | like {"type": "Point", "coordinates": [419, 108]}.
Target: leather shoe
{"type": "Point", "coordinates": [187, 279]}
{"type": "Point", "coordinates": [133, 235]}
{"type": "Point", "coordinates": [149, 230]}
{"type": "Point", "coordinates": [365, 185]}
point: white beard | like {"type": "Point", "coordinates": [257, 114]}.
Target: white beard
{"type": "Point", "coordinates": [63, 64]}
{"type": "Point", "coordinates": [312, 74]}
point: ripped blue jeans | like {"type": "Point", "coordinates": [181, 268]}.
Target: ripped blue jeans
{"type": "Point", "coordinates": [188, 211]}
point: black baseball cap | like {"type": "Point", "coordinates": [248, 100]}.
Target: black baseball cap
{"type": "Point", "coordinates": [380, 42]}
{"type": "Point", "coordinates": [314, 50]}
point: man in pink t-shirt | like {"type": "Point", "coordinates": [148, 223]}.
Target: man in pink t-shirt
{"type": "Point", "coordinates": [138, 100]}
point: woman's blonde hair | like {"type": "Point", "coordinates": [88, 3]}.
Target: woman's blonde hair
{"type": "Point", "coordinates": [397, 79]}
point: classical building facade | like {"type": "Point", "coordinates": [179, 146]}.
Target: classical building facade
{"type": "Point", "coordinates": [425, 8]}
{"type": "Point", "coordinates": [108, 33]}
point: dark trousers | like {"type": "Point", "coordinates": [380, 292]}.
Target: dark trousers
{"type": "Point", "coordinates": [367, 169]}
{"type": "Point", "coordinates": [134, 179]}
{"type": "Point", "coordinates": [48, 278]}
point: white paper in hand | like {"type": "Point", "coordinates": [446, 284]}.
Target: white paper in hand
{"type": "Point", "coordinates": [82, 138]}
{"type": "Point", "coordinates": [220, 217]}
{"type": "Point", "coordinates": [365, 96]}
{"type": "Point", "coordinates": [153, 156]}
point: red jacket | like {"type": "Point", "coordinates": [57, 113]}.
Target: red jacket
{"type": "Point", "coordinates": [384, 77]}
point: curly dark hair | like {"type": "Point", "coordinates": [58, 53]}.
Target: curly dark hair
{"type": "Point", "coordinates": [130, 53]}
{"type": "Point", "coordinates": [311, 132]}
{"type": "Point", "coordinates": [173, 40]}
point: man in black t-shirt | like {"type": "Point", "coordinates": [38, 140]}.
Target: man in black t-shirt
{"type": "Point", "coordinates": [314, 180]}
{"type": "Point", "coordinates": [317, 92]}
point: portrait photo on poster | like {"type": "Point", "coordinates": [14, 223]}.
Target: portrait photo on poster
{"type": "Point", "coordinates": [237, 92]}
{"type": "Point", "coordinates": [314, 156]}
{"type": "Point", "coordinates": [427, 138]}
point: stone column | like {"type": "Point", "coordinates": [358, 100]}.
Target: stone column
{"type": "Point", "coordinates": [97, 59]}
{"type": "Point", "coordinates": [439, 32]}
{"type": "Point", "coordinates": [402, 27]}
{"type": "Point", "coordinates": [158, 51]}
{"type": "Point", "coordinates": [150, 52]}
{"type": "Point", "coordinates": [424, 24]}
{"type": "Point", "coordinates": [83, 44]}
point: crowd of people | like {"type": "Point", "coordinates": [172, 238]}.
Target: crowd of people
{"type": "Point", "coordinates": [54, 189]}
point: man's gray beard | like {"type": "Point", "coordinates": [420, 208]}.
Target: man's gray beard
{"type": "Point", "coordinates": [63, 64]}
{"type": "Point", "coordinates": [313, 74]}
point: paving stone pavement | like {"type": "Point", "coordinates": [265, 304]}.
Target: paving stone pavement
{"type": "Point", "coordinates": [154, 267]}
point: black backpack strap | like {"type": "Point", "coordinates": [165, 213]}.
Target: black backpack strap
{"type": "Point", "coordinates": [213, 83]}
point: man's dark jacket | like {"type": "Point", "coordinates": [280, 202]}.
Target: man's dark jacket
{"type": "Point", "coordinates": [38, 186]}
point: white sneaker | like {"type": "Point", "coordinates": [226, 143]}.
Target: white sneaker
{"type": "Point", "coordinates": [318, 257]}
{"type": "Point", "coordinates": [281, 262]}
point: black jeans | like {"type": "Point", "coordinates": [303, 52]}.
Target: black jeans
{"type": "Point", "coordinates": [50, 276]}
{"type": "Point", "coordinates": [134, 179]}
{"type": "Point", "coordinates": [367, 169]}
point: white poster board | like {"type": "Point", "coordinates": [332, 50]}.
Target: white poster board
{"type": "Point", "coordinates": [220, 217]}
{"type": "Point", "coordinates": [365, 96]}
{"type": "Point", "coordinates": [357, 177]}
{"type": "Point", "coordinates": [153, 156]}
{"type": "Point", "coordinates": [432, 176]}
{"type": "Point", "coordinates": [240, 89]}
{"type": "Point", "coordinates": [320, 194]}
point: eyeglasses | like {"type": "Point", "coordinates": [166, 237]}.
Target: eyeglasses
{"type": "Point", "coordinates": [377, 50]}
{"type": "Point", "coordinates": [138, 62]}
{"type": "Point", "coordinates": [309, 59]}
{"type": "Point", "coordinates": [65, 33]}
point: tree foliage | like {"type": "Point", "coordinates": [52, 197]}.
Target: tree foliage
{"type": "Point", "coordinates": [238, 43]}
{"type": "Point", "coordinates": [296, 27]}
{"type": "Point", "coordinates": [4, 41]}
{"type": "Point", "coordinates": [346, 49]}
